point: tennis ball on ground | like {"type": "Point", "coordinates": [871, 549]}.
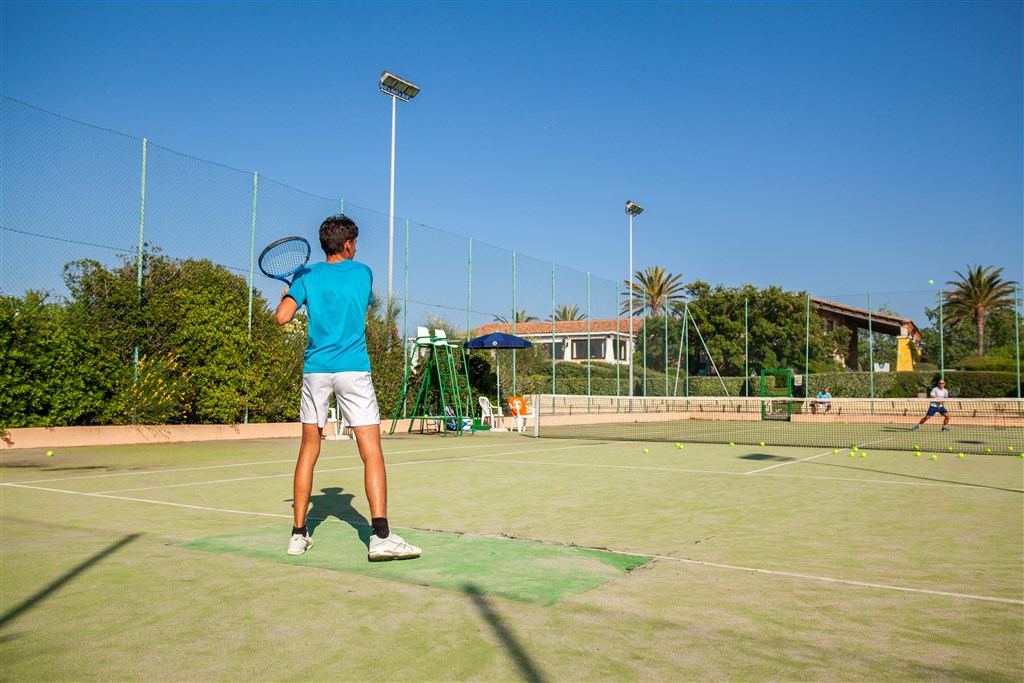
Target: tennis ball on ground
{"type": "Point", "coordinates": [916, 447]}
{"type": "Point", "coordinates": [732, 444]}
{"type": "Point", "coordinates": [863, 454]}
{"type": "Point", "coordinates": [988, 450]}
{"type": "Point", "coordinates": [949, 448]}
{"type": "Point", "coordinates": [645, 451]}
{"type": "Point", "coordinates": [678, 445]}
{"type": "Point", "coordinates": [762, 443]}
{"type": "Point", "coordinates": [959, 455]}
{"type": "Point", "coordinates": [49, 454]}
{"type": "Point", "coordinates": [852, 454]}
{"type": "Point", "coordinates": [835, 450]}
{"type": "Point", "coordinates": [917, 454]}
{"type": "Point", "coordinates": [935, 457]}
{"type": "Point", "coordinates": [1010, 448]}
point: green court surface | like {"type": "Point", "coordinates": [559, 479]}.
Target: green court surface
{"type": "Point", "coordinates": [509, 568]}
{"type": "Point", "coordinates": [543, 560]}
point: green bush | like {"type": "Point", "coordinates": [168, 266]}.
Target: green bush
{"type": "Point", "coordinates": [989, 364]}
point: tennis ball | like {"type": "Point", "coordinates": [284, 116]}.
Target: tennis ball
{"type": "Point", "coordinates": [959, 455]}
{"type": "Point", "coordinates": [49, 454]}
{"type": "Point", "coordinates": [1010, 448]}
{"type": "Point", "coordinates": [935, 457]}
{"type": "Point", "coordinates": [852, 454]}
{"type": "Point", "coordinates": [732, 444]}
{"type": "Point", "coordinates": [931, 282]}
{"type": "Point", "coordinates": [835, 450]}
{"type": "Point", "coordinates": [949, 448]}
{"type": "Point", "coordinates": [645, 451]}
{"type": "Point", "coordinates": [916, 447]}
{"type": "Point", "coordinates": [678, 445]}
{"type": "Point", "coordinates": [762, 443]}
{"type": "Point", "coordinates": [917, 454]}
{"type": "Point", "coordinates": [863, 454]}
{"type": "Point", "coordinates": [988, 450]}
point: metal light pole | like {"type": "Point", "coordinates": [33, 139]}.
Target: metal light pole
{"type": "Point", "coordinates": [633, 210]}
{"type": "Point", "coordinates": [397, 89]}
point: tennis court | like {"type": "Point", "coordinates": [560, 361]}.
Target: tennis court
{"type": "Point", "coordinates": [544, 560]}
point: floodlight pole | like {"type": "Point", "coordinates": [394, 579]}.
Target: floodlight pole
{"type": "Point", "coordinates": [397, 89]}
{"type": "Point", "coordinates": [633, 210]}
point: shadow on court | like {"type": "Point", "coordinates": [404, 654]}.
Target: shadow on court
{"type": "Point", "coordinates": [914, 476]}
{"type": "Point", "coordinates": [333, 503]}
{"type": "Point", "coordinates": [59, 583]}
{"type": "Point", "coordinates": [765, 456]}
{"type": "Point", "coordinates": [526, 666]}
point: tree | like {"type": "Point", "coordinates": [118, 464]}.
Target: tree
{"type": "Point", "coordinates": [654, 290]}
{"type": "Point", "coordinates": [976, 297]}
{"type": "Point", "coordinates": [520, 317]}
{"type": "Point", "coordinates": [568, 312]}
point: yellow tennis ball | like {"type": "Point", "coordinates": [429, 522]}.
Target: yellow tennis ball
{"type": "Point", "coordinates": [835, 450]}
{"type": "Point", "coordinates": [917, 454]}
{"type": "Point", "coordinates": [762, 443]}
{"type": "Point", "coordinates": [645, 451]}
{"type": "Point", "coordinates": [731, 443]}
{"type": "Point", "coordinates": [931, 282]}
{"type": "Point", "coordinates": [852, 454]}
{"type": "Point", "coordinates": [949, 448]}
{"type": "Point", "coordinates": [959, 455]}
{"type": "Point", "coordinates": [863, 454]}
{"type": "Point", "coordinates": [49, 454]}
{"type": "Point", "coordinates": [1010, 448]}
{"type": "Point", "coordinates": [988, 450]}
{"type": "Point", "coordinates": [935, 457]}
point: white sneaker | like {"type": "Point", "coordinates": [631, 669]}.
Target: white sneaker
{"type": "Point", "coordinates": [394, 547]}
{"type": "Point", "coordinates": [299, 544]}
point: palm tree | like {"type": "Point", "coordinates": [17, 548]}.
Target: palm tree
{"type": "Point", "coordinates": [520, 317]}
{"type": "Point", "coordinates": [653, 289]}
{"type": "Point", "coordinates": [568, 312]}
{"type": "Point", "coordinates": [977, 296]}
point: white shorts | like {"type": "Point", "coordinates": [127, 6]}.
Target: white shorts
{"type": "Point", "coordinates": [354, 392]}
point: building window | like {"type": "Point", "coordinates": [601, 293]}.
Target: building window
{"type": "Point", "coordinates": [584, 350]}
{"type": "Point", "coordinates": [559, 350]}
{"type": "Point", "coordinates": [622, 348]}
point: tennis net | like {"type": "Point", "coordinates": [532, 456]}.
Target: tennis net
{"type": "Point", "coordinates": [993, 426]}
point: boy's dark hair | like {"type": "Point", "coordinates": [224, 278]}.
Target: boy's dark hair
{"type": "Point", "coordinates": [335, 231]}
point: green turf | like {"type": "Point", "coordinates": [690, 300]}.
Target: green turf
{"type": "Point", "coordinates": [527, 571]}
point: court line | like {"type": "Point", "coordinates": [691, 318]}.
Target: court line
{"type": "Point", "coordinates": [771, 572]}
{"type": "Point", "coordinates": [812, 457]}
{"type": "Point", "coordinates": [741, 474]}
{"type": "Point", "coordinates": [324, 471]}
{"type": "Point", "coordinates": [237, 464]}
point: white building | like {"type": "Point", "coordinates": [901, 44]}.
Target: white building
{"type": "Point", "coordinates": [576, 340]}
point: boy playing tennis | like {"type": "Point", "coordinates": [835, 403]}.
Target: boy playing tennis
{"type": "Point", "coordinates": [938, 395]}
{"type": "Point", "coordinates": [336, 294]}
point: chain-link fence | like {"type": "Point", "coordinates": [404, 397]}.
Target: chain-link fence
{"type": "Point", "coordinates": [83, 209]}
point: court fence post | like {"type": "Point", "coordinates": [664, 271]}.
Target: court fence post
{"type": "Point", "coordinates": [138, 261]}
{"type": "Point", "coordinates": [252, 258]}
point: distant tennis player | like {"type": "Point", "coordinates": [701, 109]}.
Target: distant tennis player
{"type": "Point", "coordinates": [336, 294]}
{"type": "Point", "coordinates": [939, 395]}
{"type": "Point", "coordinates": [822, 403]}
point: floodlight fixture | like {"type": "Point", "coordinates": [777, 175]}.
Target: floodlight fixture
{"type": "Point", "coordinates": [394, 86]}
{"type": "Point", "coordinates": [633, 209]}
{"type": "Point", "coordinates": [397, 89]}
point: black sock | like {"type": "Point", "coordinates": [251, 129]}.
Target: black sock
{"type": "Point", "coordinates": [380, 527]}
{"type": "Point", "coordinates": [300, 530]}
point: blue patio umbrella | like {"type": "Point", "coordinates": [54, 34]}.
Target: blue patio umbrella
{"type": "Point", "coordinates": [495, 341]}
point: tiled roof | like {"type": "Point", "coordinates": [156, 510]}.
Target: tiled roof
{"type": "Point", "coordinates": [561, 327]}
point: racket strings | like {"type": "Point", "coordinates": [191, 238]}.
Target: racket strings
{"type": "Point", "coordinates": [285, 258]}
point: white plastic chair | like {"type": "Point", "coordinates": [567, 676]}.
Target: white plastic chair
{"type": "Point", "coordinates": [488, 413]}
{"type": "Point", "coordinates": [337, 431]}
{"type": "Point", "coordinates": [521, 414]}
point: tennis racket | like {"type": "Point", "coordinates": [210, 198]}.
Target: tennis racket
{"type": "Point", "coordinates": [284, 258]}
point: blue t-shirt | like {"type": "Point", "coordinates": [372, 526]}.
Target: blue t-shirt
{"type": "Point", "coordinates": [824, 394]}
{"type": "Point", "coordinates": [336, 296]}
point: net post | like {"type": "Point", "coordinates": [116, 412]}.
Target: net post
{"type": "Point", "coordinates": [536, 411]}
{"type": "Point", "coordinates": [643, 329]}
{"type": "Point", "coordinates": [1016, 335]}
{"type": "Point", "coordinates": [942, 347]}
{"type": "Point", "coordinates": [664, 343]}
{"type": "Point", "coordinates": [252, 261]}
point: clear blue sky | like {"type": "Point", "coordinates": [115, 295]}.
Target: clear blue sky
{"type": "Point", "coordinates": [834, 147]}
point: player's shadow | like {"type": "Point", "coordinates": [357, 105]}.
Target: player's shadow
{"type": "Point", "coordinates": [331, 502]}
{"type": "Point", "coordinates": [764, 456]}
